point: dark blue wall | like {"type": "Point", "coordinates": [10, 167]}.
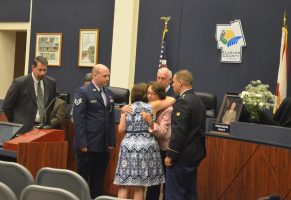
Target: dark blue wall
{"type": "Point", "coordinates": [192, 44]}
{"type": "Point", "coordinates": [14, 10]}
{"type": "Point", "coordinates": [68, 17]}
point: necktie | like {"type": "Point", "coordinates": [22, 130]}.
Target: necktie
{"type": "Point", "coordinates": [103, 95]}
{"type": "Point", "coordinates": [40, 103]}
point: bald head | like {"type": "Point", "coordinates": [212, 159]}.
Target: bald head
{"type": "Point", "coordinates": [164, 76]}
{"type": "Point", "coordinates": [100, 75]}
{"type": "Point", "coordinates": [97, 68]}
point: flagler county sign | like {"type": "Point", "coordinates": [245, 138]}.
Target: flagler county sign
{"type": "Point", "coordinates": [230, 39]}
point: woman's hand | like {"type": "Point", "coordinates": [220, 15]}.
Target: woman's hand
{"type": "Point", "coordinates": [126, 109]}
{"type": "Point", "coordinates": [147, 117]}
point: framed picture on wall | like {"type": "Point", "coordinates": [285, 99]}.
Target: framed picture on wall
{"type": "Point", "coordinates": [230, 109]}
{"type": "Point", "coordinates": [49, 45]}
{"type": "Point", "coordinates": [88, 47]}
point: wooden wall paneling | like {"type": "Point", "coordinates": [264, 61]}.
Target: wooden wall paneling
{"type": "Point", "coordinates": [241, 170]}
{"type": "Point", "coordinates": [69, 137]}
{"type": "Point", "coordinates": [35, 155]}
{"type": "Point", "coordinates": [221, 166]}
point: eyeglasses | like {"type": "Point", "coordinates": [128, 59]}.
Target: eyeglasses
{"type": "Point", "coordinates": [151, 93]}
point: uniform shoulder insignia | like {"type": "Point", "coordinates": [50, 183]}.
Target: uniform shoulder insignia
{"type": "Point", "coordinates": [78, 101]}
{"type": "Point", "coordinates": [178, 114]}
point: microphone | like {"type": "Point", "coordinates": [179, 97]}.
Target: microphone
{"type": "Point", "coordinates": [45, 125]}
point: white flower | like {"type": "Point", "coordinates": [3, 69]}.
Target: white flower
{"type": "Point", "coordinates": [257, 97]}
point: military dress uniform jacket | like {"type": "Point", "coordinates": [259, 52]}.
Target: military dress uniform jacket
{"type": "Point", "coordinates": [93, 121]}
{"type": "Point", "coordinates": [187, 142]}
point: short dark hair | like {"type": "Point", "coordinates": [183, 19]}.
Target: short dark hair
{"type": "Point", "coordinates": [158, 89]}
{"type": "Point", "coordinates": [39, 59]}
{"type": "Point", "coordinates": [185, 76]}
{"type": "Point", "coordinates": [138, 92]}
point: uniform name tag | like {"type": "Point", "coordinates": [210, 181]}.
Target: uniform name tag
{"type": "Point", "coordinates": [93, 101]}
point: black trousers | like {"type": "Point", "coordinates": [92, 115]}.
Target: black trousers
{"type": "Point", "coordinates": [92, 167]}
{"type": "Point", "coordinates": [153, 192]}
{"type": "Point", "coordinates": [181, 182]}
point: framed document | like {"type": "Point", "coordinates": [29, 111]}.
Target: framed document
{"type": "Point", "coordinates": [230, 109]}
{"type": "Point", "coordinates": [49, 45]}
{"type": "Point", "coordinates": [88, 47]}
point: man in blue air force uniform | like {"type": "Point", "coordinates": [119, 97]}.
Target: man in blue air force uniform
{"type": "Point", "coordinates": [94, 128]}
{"type": "Point", "coordinates": [187, 141]}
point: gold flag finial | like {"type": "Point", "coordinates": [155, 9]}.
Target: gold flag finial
{"type": "Point", "coordinates": [166, 20]}
{"type": "Point", "coordinates": [284, 20]}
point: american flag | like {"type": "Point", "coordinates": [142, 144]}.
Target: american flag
{"type": "Point", "coordinates": [163, 54]}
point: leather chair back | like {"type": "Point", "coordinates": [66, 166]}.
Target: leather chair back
{"type": "Point", "coordinates": [120, 95]}
{"type": "Point", "coordinates": [210, 102]}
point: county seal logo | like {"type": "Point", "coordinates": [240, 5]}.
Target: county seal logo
{"type": "Point", "coordinates": [230, 39]}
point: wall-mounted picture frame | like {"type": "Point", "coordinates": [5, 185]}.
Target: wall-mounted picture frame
{"type": "Point", "coordinates": [88, 47]}
{"type": "Point", "coordinates": [230, 109]}
{"type": "Point", "coordinates": [49, 45]}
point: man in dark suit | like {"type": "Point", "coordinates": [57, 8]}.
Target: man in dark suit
{"type": "Point", "coordinates": [94, 128]}
{"type": "Point", "coordinates": [164, 76]}
{"type": "Point", "coordinates": [187, 141]}
{"type": "Point", "coordinates": [21, 104]}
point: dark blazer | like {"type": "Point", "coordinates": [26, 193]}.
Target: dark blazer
{"type": "Point", "coordinates": [93, 122]}
{"type": "Point", "coordinates": [187, 141]}
{"type": "Point", "coordinates": [20, 104]}
{"type": "Point", "coordinates": [58, 114]}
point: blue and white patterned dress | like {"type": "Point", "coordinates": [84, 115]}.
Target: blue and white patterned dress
{"type": "Point", "coordinates": [139, 162]}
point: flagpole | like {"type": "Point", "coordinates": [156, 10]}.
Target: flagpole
{"type": "Point", "coordinates": [163, 54]}
{"type": "Point", "coordinates": [284, 19]}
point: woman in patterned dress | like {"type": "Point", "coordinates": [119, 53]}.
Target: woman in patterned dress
{"type": "Point", "coordinates": [139, 164]}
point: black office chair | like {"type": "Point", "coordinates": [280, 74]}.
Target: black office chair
{"type": "Point", "coordinates": [282, 117]}
{"type": "Point", "coordinates": [120, 95]}
{"type": "Point", "coordinates": [271, 197]}
{"type": "Point", "coordinates": [121, 98]}
{"type": "Point", "coordinates": [210, 102]}
{"type": "Point", "coordinates": [283, 114]}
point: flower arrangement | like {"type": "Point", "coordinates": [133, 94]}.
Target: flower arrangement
{"type": "Point", "coordinates": [257, 98]}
